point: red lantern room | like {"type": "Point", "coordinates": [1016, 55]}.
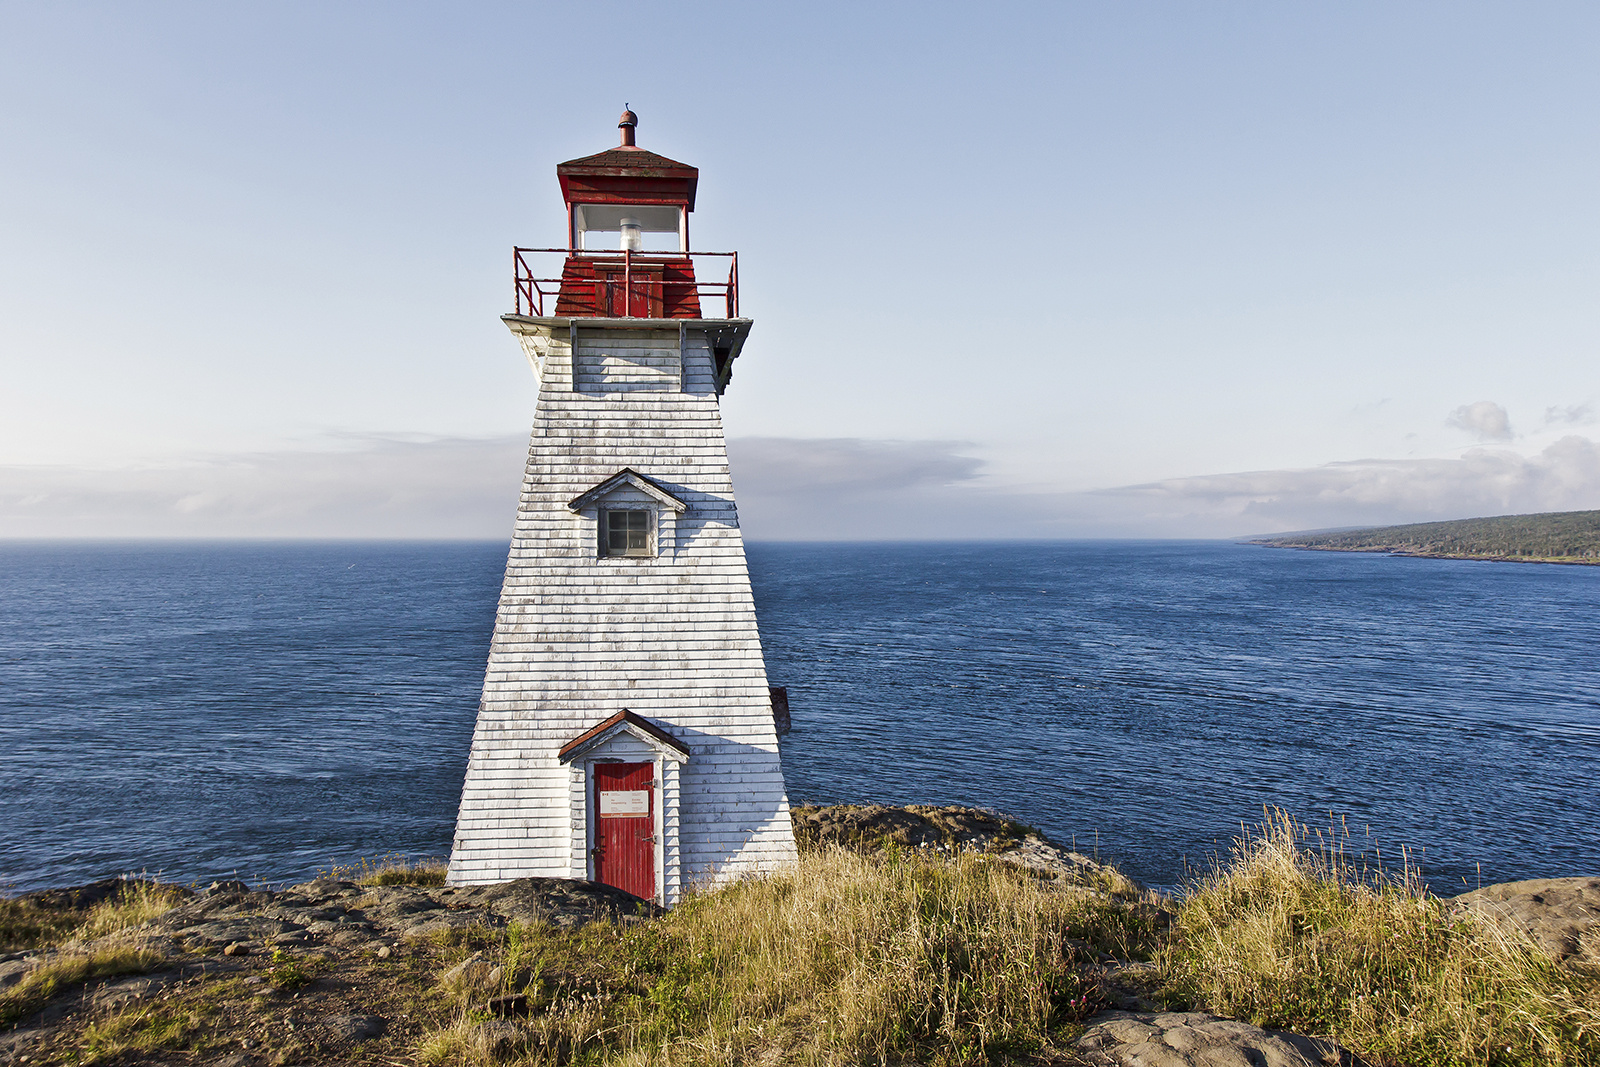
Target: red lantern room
{"type": "Point", "coordinates": [627, 253]}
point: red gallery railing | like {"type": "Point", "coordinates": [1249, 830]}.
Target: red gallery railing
{"type": "Point", "coordinates": [623, 284]}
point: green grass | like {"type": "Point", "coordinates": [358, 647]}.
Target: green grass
{"type": "Point", "coordinates": [286, 971]}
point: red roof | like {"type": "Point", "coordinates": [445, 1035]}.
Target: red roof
{"type": "Point", "coordinates": [628, 175]}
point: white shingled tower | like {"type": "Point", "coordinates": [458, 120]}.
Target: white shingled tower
{"type": "Point", "coordinates": [626, 731]}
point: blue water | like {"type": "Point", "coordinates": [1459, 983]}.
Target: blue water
{"type": "Point", "coordinates": [269, 710]}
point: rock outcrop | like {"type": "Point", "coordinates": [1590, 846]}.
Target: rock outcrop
{"type": "Point", "coordinates": [1560, 915]}
{"type": "Point", "coordinates": [358, 944]}
{"type": "Point", "coordinates": [348, 916]}
{"type": "Point", "coordinates": [1193, 1039]}
{"type": "Point", "coordinates": [877, 827]}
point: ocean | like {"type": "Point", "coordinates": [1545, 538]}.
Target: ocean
{"type": "Point", "coordinates": [271, 710]}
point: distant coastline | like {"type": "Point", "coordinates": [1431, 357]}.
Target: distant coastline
{"type": "Point", "coordinates": [1571, 537]}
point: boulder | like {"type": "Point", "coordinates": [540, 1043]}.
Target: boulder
{"type": "Point", "coordinates": [558, 901]}
{"type": "Point", "coordinates": [1194, 1039]}
{"type": "Point", "coordinates": [1560, 915]}
{"type": "Point", "coordinates": [354, 1028]}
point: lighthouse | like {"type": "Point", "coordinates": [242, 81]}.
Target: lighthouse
{"type": "Point", "coordinates": [625, 734]}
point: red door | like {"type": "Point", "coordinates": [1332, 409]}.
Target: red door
{"type": "Point", "coordinates": [625, 832]}
{"type": "Point", "coordinates": [635, 294]}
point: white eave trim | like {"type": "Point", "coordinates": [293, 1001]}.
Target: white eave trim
{"type": "Point", "coordinates": [629, 476]}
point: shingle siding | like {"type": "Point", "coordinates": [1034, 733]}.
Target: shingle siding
{"type": "Point", "coordinates": [579, 637]}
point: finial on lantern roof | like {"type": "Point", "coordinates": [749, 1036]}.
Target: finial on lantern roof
{"type": "Point", "coordinates": [628, 121]}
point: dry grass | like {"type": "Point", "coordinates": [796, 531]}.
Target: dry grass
{"type": "Point", "coordinates": [142, 1029]}
{"type": "Point", "coordinates": [393, 868]}
{"type": "Point", "coordinates": [903, 956]}
{"type": "Point", "coordinates": [26, 924]}
{"type": "Point", "coordinates": [140, 902]}
{"type": "Point", "coordinates": [1296, 937]}
{"type": "Point", "coordinates": [847, 959]}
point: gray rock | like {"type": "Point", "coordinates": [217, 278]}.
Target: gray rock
{"type": "Point", "coordinates": [14, 971]}
{"type": "Point", "coordinates": [322, 890]}
{"type": "Point", "coordinates": [17, 1043]}
{"type": "Point", "coordinates": [1560, 915]}
{"type": "Point", "coordinates": [238, 1059]}
{"type": "Point", "coordinates": [497, 1037]}
{"type": "Point", "coordinates": [558, 901]}
{"type": "Point", "coordinates": [128, 990]}
{"type": "Point", "coordinates": [1194, 1039]}
{"type": "Point", "coordinates": [231, 931]}
{"type": "Point", "coordinates": [355, 1028]}
{"type": "Point", "coordinates": [470, 969]}
{"type": "Point", "coordinates": [445, 922]}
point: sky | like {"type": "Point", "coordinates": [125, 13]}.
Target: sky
{"type": "Point", "coordinates": [1110, 269]}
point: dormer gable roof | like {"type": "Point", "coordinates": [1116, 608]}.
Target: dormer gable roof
{"type": "Point", "coordinates": [622, 722]}
{"type": "Point", "coordinates": [628, 476]}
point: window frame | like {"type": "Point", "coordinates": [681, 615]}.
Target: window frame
{"type": "Point", "coordinates": [603, 528]}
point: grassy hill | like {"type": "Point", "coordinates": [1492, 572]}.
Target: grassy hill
{"type": "Point", "coordinates": [941, 954]}
{"type": "Point", "coordinates": [1553, 537]}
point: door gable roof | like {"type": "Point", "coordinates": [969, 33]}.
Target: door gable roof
{"type": "Point", "coordinates": [624, 722]}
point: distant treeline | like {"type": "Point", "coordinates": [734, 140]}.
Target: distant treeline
{"type": "Point", "coordinates": [1570, 536]}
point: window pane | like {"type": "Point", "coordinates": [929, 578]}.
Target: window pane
{"type": "Point", "coordinates": [627, 533]}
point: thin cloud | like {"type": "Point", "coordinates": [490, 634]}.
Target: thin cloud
{"type": "Point", "coordinates": [1485, 420]}
{"type": "Point", "coordinates": [849, 464]}
{"type": "Point", "coordinates": [1572, 415]}
{"type": "Point", "coordinates": [1563, 477]}
{"type": "Point", "coordinates": [365, 488]}
{"type": "Point", "coordinates": [788, 489]}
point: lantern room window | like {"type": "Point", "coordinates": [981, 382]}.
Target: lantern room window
{"type": "Point", "coordinates": [630, 227]}
{"type": "Point", "coordinates": [626, 533]}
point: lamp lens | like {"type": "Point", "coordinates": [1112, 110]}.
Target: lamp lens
{"type": "Point", "coordinates": [632, 234]}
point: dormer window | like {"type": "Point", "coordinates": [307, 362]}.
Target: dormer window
{"type": "Point", "coordinates": [633, 517]}
{"type": "Point", "coordinates": [627, 532]}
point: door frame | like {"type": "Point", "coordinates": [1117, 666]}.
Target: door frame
{"type": "Point", "coordinates": [658, 820]}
